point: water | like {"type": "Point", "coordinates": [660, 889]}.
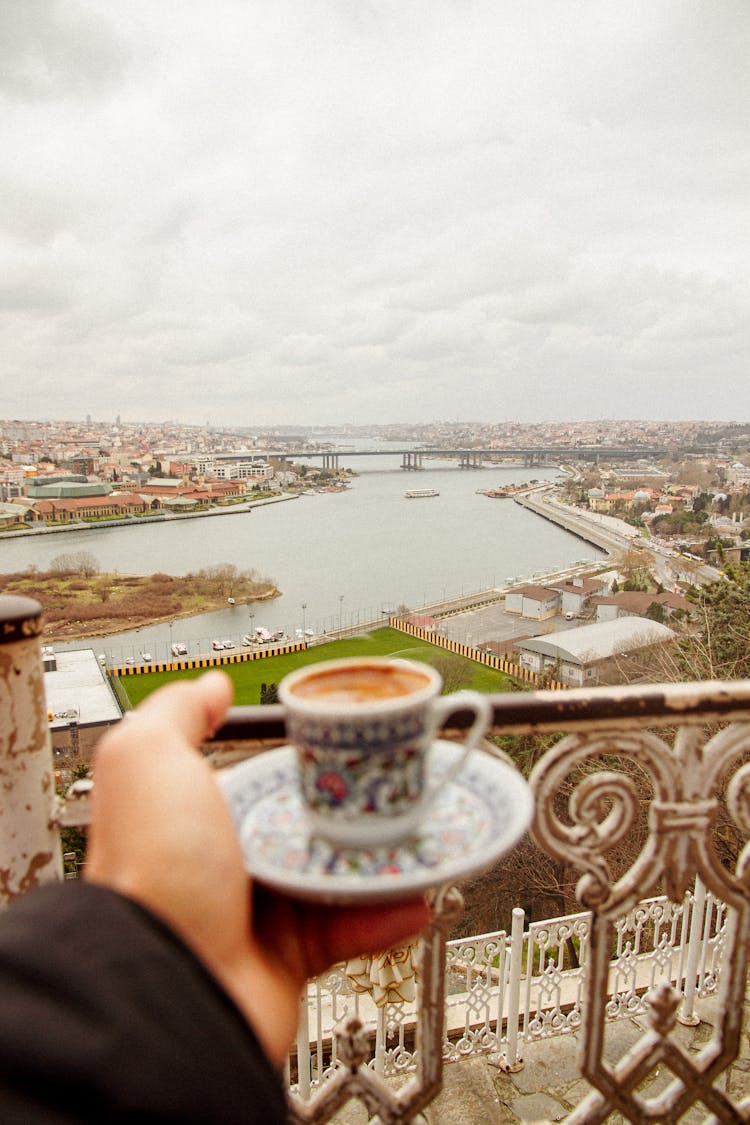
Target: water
{"type": "Point", "coordinates": [349, 557]}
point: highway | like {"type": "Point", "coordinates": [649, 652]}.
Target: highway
{"type": "Point", "coordinates": [670, 568]}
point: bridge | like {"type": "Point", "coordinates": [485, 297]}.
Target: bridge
{"type": "Point", "coordinates": [470, 458]}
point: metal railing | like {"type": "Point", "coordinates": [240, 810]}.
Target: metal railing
{"type": "Point", "coordinates": [666, 918]}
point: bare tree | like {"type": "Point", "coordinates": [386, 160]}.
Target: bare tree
{"type": "Point", "coordinates": [77, 562]}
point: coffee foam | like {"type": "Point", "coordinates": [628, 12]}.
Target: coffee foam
{"type": "Point", "coordinates": [361, 684]}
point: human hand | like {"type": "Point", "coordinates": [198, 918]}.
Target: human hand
{"type": "Point", "coordinates": [161, 834]}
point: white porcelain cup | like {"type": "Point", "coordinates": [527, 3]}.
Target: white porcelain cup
{"type": "Point", "coordinates": [362, 729]}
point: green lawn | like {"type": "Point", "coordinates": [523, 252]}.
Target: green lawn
{"type": "Point", "coordinates": [248, 676]}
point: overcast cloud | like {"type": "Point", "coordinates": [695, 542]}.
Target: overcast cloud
{"type": "Point", "coordinates": [342, 210]}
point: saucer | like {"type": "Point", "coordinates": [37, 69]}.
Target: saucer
{"type": "Point", "coordinates": [475, 818]}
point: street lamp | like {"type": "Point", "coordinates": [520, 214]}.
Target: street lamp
{"type": "Point", "coordinates": [304, 607]}
{"type": "Point", "coordinates": [341, 608]}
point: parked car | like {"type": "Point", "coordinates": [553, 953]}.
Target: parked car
{"type": "Point", "coordinates": [227, 644]}
{"type": "Point", "coordinates": [217, 646]}
{"type": "Point", "coordinates": [146, 657]}
{"type": "Point", "coordinates": [248, 640]}
{"type": "Point", "coordinates": [179, 649]}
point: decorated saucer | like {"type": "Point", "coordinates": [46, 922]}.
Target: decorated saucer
{"type": "Point", "coordinates": [475, 818]}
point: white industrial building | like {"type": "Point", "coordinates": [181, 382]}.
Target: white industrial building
{"type": "Point", "coordinates": [577, 656]}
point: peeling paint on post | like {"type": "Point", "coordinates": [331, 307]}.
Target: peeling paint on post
{"type": "Point", "coordinates": [29, 844]}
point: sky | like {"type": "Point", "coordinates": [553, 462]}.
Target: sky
{"type": "Point", "coordinates": [369, 211]}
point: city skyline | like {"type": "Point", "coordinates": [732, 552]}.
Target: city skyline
{"type": "Point", "coordinates": [359, 214]}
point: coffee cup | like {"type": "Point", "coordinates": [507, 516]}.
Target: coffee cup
{"type": "Point", "coordinates": [362, 729]}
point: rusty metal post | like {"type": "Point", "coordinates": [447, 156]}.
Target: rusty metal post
{"type": "Point", "coordinates": [30, 851]}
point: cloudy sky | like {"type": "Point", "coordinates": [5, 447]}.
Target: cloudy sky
{"type": "Point", "coordinates": [291, 211]}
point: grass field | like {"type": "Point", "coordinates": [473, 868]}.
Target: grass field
{"type": "Point", "coordinates": [248, 676]}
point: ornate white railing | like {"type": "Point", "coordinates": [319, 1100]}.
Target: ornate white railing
{"type": "Point", "coordinates": [507, 989]}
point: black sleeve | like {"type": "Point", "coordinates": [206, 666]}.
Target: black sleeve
{"type": "Point", "coordinates": [106, 1016]}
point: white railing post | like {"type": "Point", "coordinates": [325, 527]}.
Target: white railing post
{"type": "Point", "coordinates": [511, 1061]}
{"type": "Point", "coordinates": [380, 1037]}
{"type": "Point", "coordinates": [687, 1014]}
{"type": "Point", "coordinates": [303, 1047]}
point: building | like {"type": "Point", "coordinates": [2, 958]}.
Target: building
{"type": "Point", "coordinates": [578, 657]}
{"type": "Point", "coordinates": [537, 602]}
{"type": "Point", "coordinates": [634, 603]}
{"type": "Point", "coordinates": [80, 701]}
{"type": "Point", "coordinates": [576, 592]}
{"type": "Point", "coordinates": [116, 506]}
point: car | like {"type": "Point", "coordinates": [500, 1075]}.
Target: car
{"type": "Point", "coordinates": [248, 639]}
{"type": "Point", "coordinates": [179, 649]}
{"type": "Point", "coordinates": [217, 646]}
{"type": "Point", "coordinates": [130, 660]}
{"type": "Point", "coordinates": [146, 657]}
{"type": "Point", "coordinates": [227, 644]}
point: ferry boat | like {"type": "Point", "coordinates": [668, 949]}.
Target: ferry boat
{"type": "Point", "coordinates": [419, 493]}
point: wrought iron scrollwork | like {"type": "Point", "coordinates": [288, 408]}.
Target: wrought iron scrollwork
{"type": "Point", "coordinates": [686, 783]}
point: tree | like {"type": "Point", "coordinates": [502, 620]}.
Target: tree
{"type": "Point", "coordinates": [455, 671]}
{"type": "Point", "coordinates": [716, 644]}
{"type": "Point", "coordinates": [635, 567]}
{"type": "Point", "coordinates": [655, 612]}
{"type": "Point", "coordinates": [720, 648]}
{"type": "Point", "coordinates": [77, 562]}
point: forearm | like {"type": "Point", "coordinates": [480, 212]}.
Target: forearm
{"type": "Point", "coordinates": [105, 1010]}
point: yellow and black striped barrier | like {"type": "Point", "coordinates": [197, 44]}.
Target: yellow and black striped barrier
{"type": "Point", "coordinates": [480, 655]}
{"type": "Point", "coordinates": [193, 662]}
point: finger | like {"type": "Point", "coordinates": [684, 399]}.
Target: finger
{"type": "Point", "coordinates": [174, 717]}
{"type": "Point", "coordinates": [193, 708]}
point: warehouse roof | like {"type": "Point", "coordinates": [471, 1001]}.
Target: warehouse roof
{"type": "Point", "coordinates": [591, 644]}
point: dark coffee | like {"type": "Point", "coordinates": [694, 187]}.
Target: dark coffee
{"type": "Point", "coordinates": [365, 683]}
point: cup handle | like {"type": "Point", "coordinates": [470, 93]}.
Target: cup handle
{"type": "Point", "coordinates": [445, 705]}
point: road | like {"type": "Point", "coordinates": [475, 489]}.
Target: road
{"type": "Point", "coordinates": [616, 537]}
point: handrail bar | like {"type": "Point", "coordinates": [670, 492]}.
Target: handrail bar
{"type": "Point", "coordinates": [526, 712]}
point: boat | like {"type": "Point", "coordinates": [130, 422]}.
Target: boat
{"type": "Point", "coordinates": [419, 493]}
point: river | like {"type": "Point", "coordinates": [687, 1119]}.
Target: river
{"type": "Point", "coordinates": [347, 557]}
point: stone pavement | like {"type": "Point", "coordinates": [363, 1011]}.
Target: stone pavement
{"type": "Point", "coordinates": [549, 1086]}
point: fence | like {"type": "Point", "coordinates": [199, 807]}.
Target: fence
{"type": "Point", "coordinates": [507, 989]}
{"type": "Point", "coordinates": [482, 656]}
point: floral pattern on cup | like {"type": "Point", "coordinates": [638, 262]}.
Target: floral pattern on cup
{"type": "Point", "coordinates": [388, 783]}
